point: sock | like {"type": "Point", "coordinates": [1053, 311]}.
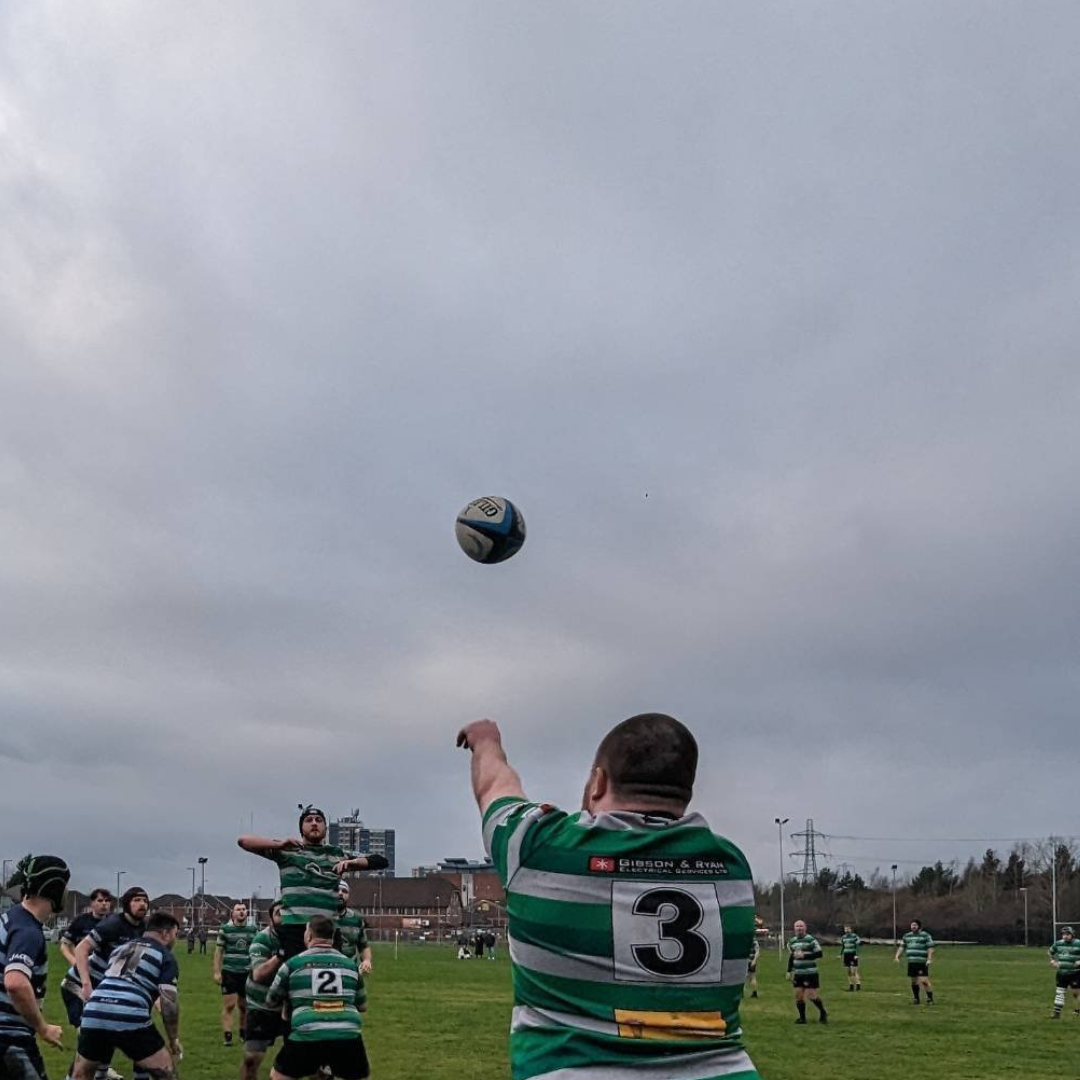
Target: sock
{"type": "Point", "coordinates": [141, 1074]}
{"type": "Point", "coordinates": [818, 1003]}
{"type": "Point", "coordinates": [930, 997]}
{"type": "Point", "coordinates": [801, 1006]}
{"type": "Point", "coordinates": [1059, 1000]}
{"type": "Point", "coordinates": [915, 991]}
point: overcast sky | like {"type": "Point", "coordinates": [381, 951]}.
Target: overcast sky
{"type": "Point", "coordinates": [765, 315]}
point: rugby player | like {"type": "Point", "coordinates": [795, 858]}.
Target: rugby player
{"type": "Point", "coordinates": [118, 1013]}
{"type": "Point", "coordinates": [1065, 959]}
{"type": "Point", "coordinates": [620, 964]}
{"type": "Point", "coordinates": [918, 945]}
{"type": "Point", "coordinates": [323, 994]}
{"type": "Point", "coordinates": [310, 871]}
{"type": "Point", "coordinates": [231, 966]}
{"type": "Point", "coordinates": [804, 952]}
{"type": "Point", "coordinates": [849, 956]}
{"type": "Point", "coordinates": [24, 966]}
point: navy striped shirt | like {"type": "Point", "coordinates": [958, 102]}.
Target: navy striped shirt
{"type": "Point", "coordinates": [23, 949]}
{"type": "Point", "coordinates": [109, 934]}
{"type": "Point", "coordinates": [123, 999]}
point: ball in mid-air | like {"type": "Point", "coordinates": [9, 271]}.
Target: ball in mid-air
{"type": "Point", "coordinates": [490, 529]}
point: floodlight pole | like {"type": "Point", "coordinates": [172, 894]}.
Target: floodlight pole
{"type": "Point", "coordinates": [1023, 889]}
{"type": "Point", "coordinates": [894, 903]}
{"type": "Point", "coordinates": [119, 875]}
{"type": "Point", "coordinates": [202, 890]}
{"type": "Point", "coordinates": [1053, 890]}
{"type": "Point", "coordinates": [192, 869]}
{"type": "Point", "coordinates": [780, 823]}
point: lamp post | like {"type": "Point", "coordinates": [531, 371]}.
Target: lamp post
{"type": "Point", "coordinates": [202, 860]}
{"type": "Point", "coordinates": [192, 869]}
{"type": "Point", "coordinates": [1023, 889]}
{"type": "Point", "coordinates": [119, 875]}
{"type": "Point", "coordinates": [780, 823]}
{"type": "Point", "coordinates": [894, 903]}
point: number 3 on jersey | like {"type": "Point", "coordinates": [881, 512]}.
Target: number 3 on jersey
{"type": "Point", "coordinates": [666, 931]}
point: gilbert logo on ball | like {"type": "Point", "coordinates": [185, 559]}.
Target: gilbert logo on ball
{"type": "Point", "coordinates": [490, 529]}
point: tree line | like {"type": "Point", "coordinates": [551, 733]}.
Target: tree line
{"type": "Point", "coordinates": [982, 901]}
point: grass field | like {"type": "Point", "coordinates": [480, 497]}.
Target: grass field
{"type": "Point", "coordinates": [438, 1018]}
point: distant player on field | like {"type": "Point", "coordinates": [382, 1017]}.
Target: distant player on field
{"type": "Point", "coordinates": [630, 921]}
{"type": "Point", "coordinates": [118, 1015]}
{"type": "Point", "coordinates": [352, 931]}
{"type": "Point", "coordinates": [804, 951]}
{"type": "Point", "coordinates": [231, 966]}
{"type": "Point", "coordinates": [324, 996]}
{"type": "Point", "coordinates": [751, 967]}
{"type": "Point", "coordinates": [24, 966]}
{"type": "Point", "coordinates": [1065, 958]}
{"type": "Point", "coordinates": [310, 871]}
{"type": "Point", "coordinates": [849, 956]}
{"type": "Point", "coordinates": [918, 946]}
{"type": "Point", "coordinates": [264, 1024]}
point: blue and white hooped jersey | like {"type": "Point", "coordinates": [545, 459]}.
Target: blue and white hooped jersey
{"type": "Point", "coordinates": [123, 999]}
{"type": "Point", "coordinates": [22, 949]}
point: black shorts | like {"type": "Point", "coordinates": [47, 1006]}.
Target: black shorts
{"type": "Point", "coordinates": [1067, 980]}
{"type": "Point", "coordinates": [263, 1029]}
{"type": "Point", "coordinates": [97, 1046]}
{"type": "Point", "coordinates": [17, 1057]}
{"type": "Point", "coordinates": [851, 959]}
{"type": "Point", "coordinates": [806, 982]}
{"type": "Point", "coordinates": [915, 971]}
{"type": "Point", "coordinates": [233, 982]}
{"type": "Point", "coordinates": [291, 936]}
{"type": "Point", "coordinates": [346, 1058]}
{"type": "Point", "coordinates": [74, 1006]}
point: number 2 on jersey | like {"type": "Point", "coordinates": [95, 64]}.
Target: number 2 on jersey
{"type": "Point", "coordinates": [327, 982]}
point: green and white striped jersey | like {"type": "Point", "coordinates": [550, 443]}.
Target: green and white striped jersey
{"type": "Point", "coordinates": [917, 947]}
{"type": "Point", "coordinates": [849, 943]}
{"type": "Point", "coordinates": [629, 936]}
{"type": "Point", "coordinates": [809, 946]}
{"type": "Point", "coordinates": [353, 933]}
{"type": "Point", "coordinates": [265, 945]}
{"type": "Point", "coordinates": [234, 940]}
{"type": "Point", "coordinates": [324, 993]}
{"type": "Point", "coordinates": [308, 882]}
{"type": "Point", "coordinates": [1067, 954]}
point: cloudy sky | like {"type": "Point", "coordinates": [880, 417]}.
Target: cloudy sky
{"type": "Point", "coordinates": [765, 315]}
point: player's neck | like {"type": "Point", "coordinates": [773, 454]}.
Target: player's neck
{"type": "Point", "coordinates": [38, 906]}
{"type": "Point", "coordinates": [648, 808]}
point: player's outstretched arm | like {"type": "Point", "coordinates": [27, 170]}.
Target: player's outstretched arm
{"type": "Point", "coordinates": [492, 775]}
{"type": "Point", "coordinates": [264, 846]}
{"type": "Point", "coordinates": [362, 862]}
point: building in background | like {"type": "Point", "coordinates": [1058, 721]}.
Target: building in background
{"type": "Point", "coordinates": [352, 834]}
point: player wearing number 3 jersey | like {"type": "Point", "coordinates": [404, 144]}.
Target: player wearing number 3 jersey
{"type": "Point", "coordinates": [630, 921]}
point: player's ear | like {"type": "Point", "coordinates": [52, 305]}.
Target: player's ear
{"type": "Point", "coordinates": [599, 783]}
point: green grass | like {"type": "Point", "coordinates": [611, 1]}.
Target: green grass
{"type": "Point", "coordinates": [436, 1017]}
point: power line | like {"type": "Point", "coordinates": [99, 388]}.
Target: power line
{"type": "Point", "coordinates": [951, 839]}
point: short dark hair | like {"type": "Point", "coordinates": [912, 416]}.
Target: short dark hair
{"type": "Point", "coordinates": [103, 893]}
{"type": "Point", "coordinates": [651, 756]}
{"type": "Point", "coordinates": [276, 905]}
{"type": "Point", "coordinates": [917, 922]}
{"type": "Point", "coordinates": [321, 927]}
{"type": "Point", "coordinates": [161, 922]}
